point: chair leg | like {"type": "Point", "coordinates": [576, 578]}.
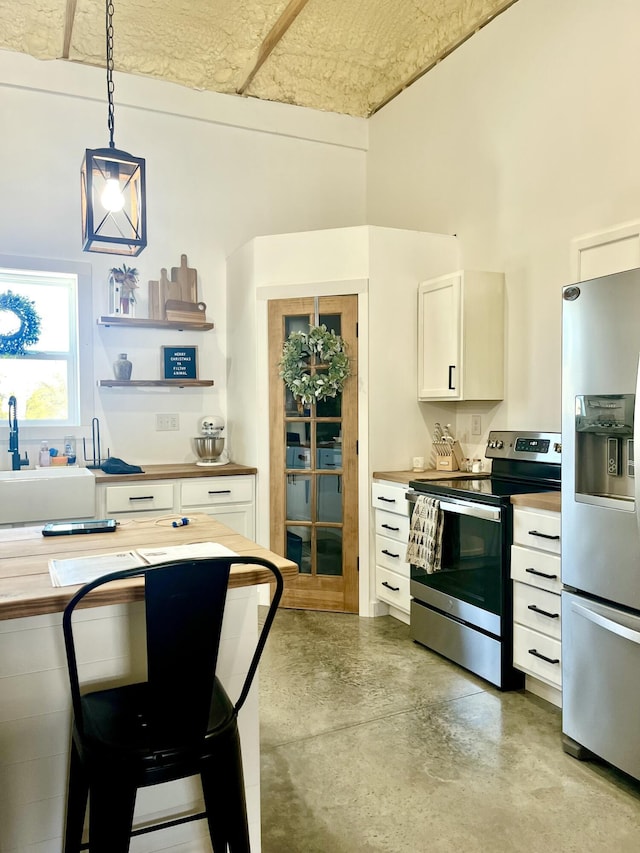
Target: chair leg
{"type": "Point", "coordinates": [224, 796]}
{"type": "Point", "coordinates": [76, 803]}
{"type": "Point", "coordinates": [112, 800]}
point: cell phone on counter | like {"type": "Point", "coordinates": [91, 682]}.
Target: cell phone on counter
{"type": "Point", "coordinates": [67, 528]}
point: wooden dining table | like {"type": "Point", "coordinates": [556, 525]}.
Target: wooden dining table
{"type": "Point", "coordinates": [35, 712]}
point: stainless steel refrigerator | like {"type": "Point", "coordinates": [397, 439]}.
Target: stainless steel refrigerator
{"type": "Point", "coordinates": [601, 520]}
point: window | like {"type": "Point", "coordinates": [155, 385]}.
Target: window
{"type": "Point", "coordinates": [46, 380]}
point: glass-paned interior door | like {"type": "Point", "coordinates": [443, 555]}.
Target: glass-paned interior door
{"type": "Point", "coordinates": [314, 463]}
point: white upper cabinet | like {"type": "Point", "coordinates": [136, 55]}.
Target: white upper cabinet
{"type": "Point", "coordinates": [461, 337]}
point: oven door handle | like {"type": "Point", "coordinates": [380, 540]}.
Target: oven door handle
{"type": "Point", "coordinates": [473, 510]}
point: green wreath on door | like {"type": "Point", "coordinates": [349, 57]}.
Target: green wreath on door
{"type": "Point", "coordinates": [330, 351]}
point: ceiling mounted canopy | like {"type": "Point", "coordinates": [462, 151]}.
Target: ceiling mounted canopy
{"type": "Point", "coordinates": [113, 186]}
{"type": "Point", "coordinates": [343, 56]}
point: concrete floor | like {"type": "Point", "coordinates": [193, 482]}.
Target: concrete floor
{"type": "Point", "coordinates": [372, 743]}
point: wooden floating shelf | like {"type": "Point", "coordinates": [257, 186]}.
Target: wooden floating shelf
{"type": "Point", "coordinates": [144, 323]}
{"type": "Point", "coordinates": [155, 383]}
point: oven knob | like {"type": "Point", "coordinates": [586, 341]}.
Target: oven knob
{"type": "Point", "coordinates": [499, 444]}
{"type": "Point", "coordinates": [491, 444]}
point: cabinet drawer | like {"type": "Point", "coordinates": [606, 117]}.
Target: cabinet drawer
{"type": "Point", "coordinates": [537, 530]}
{"type": "Point", "coordinates": [390, 497]}
{"type": "Point", "coordinates": [216, 490]}
{"type": "Point", "coordinates": [392, 526]}
{"type": "Point", "coordinates": [144, 496]}
{"type": "Point", "coordinates": [390, 553]}
{"type": "Point", "coordinates": [536, 568]}
{"type": "Point", "coordinates": [525, 642]}
{"type": "Point", "coordinates": [392, 588]}
{"type": "Point", "coordinates": [538, 609]}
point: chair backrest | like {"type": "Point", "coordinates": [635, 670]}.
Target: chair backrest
{"type": "Point", "coordinates": [184, 608]}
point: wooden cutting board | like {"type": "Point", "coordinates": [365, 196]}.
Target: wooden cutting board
{"type": "Point", "coordinates": [186, 278]}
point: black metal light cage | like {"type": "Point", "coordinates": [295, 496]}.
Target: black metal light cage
{"type": "Point", "coordinates": [122, 232]}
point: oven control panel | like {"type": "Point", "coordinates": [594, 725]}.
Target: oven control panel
{"type": "Point", "coordinates": [525, 445]}
{"type": "Point", "coordinates": [532, 445]}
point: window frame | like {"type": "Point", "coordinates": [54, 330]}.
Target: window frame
{"type": "Point", "coordinates": [81, 363]}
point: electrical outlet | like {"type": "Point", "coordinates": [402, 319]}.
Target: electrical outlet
{"type": "Point", "coordinates": [167, 422]}
{"type": "Point", "coordinates": [476, 425]}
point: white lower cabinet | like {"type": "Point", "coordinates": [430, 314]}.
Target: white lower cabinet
{"type": "Point", "coordinates": [391, 520]}
{"type": "Point", "coordinates": [537, 620]}
{"type": "Point", "coordinates": [230, 499]}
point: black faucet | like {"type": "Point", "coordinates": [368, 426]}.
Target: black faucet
{"type": "Point", "coordinates": [16, 462]}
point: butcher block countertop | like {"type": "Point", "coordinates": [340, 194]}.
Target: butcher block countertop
{"type": "Point", "coordinates": [174, 471]}
{"type": "Point", "coordinates": [25, 584]}
{"type": "Point", "coordinates": [405, 477]}
{"type": "Point", "coordinates": [542, 500]}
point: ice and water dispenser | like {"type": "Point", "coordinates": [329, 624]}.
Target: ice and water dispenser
{"type": "Point", "coordinates": [604, 447]}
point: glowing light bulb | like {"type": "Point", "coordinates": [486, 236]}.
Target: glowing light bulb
{"type": "Point", "coordinates": [111, 198]}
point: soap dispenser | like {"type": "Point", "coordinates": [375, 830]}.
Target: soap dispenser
{"type": "Point", "coordinates": [44, 458]}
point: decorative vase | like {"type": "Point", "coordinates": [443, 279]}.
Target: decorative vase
{"type": "Point", "coordinates": [122, 367]}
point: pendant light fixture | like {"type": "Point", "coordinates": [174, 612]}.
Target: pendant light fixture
{"type": "Point", "coordinates": [114, 212]}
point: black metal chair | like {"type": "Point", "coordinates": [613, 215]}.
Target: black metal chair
{"type": "Point", "coordinates": [178, 723]}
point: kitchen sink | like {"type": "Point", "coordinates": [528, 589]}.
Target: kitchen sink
{"type": "Point", "coordinates": [46, 494]}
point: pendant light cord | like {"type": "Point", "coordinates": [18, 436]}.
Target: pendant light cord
{"type": "Point", "coordinates": [110, 87]}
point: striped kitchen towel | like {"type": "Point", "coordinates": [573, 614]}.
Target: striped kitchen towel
{"type": "Point", "coordinates": [424, 548]}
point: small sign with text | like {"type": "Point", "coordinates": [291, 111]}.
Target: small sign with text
{"type": "Point", "coordinates": [180, 362]}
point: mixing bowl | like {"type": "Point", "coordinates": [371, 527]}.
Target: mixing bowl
{"type": "Point", "coordinates": [208, 449]}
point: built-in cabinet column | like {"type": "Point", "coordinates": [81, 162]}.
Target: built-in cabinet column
{"type": "Point", "coordinates": [391, 514]}
{"type": "Point", "coordinates": [535, 571]}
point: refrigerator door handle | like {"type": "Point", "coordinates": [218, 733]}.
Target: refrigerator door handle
{"type": "Point", "coordinates": [636, 442]}
{"type": "Point", "coordinates": [607, 624]}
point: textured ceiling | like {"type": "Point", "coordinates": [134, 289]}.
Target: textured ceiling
{"type": "Point", "coordinates": [345, 56]}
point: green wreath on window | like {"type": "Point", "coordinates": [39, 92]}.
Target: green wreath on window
{"type": "Point", "coordinates": [329, 349]}
{"type": "Point", "coordinates": [14, 343]}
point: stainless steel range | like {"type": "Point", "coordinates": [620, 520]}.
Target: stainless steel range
{"type": "Point", "coordinates": [464, 610]}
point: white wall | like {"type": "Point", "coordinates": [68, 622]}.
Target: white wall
{"type": "Point", "coordinates": [220, 171]}
{"type": "Point", "coordinates": [524, 138]}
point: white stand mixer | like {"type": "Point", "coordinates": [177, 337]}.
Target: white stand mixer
{"type": "Point", "coordinates": [209, 445]}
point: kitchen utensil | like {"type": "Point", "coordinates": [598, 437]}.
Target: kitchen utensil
{"type": "Point", "coordinates": [210, 443]}
{"type": "Point", "coordinates": [96, 459]}
{"type": "Point", "coordinates": [208, 449]}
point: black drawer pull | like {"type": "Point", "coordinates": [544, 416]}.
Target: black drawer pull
{"type": "Point", "coordinates": [220, 492]}
{"type": "Point", "coordinates": [392, 588]}
{"type": "Point", "coordinates": [143, 498]}
{"type": "Point", "coordinates": [537, 654]}
{"type": "Point", "coordinates": [387, 500]}
{"type": "Point", "coordinates": [542, 535]}
{"type": "Point", "coordinates": [543, 612]}
{"type": "Point", "coordinates": [541, 574]}
{"type": "Point", "coordinates": [389, 527]}
{"type": "Point", "coordinates": [389, 554]}
{"type": "Point", "coordinates": [452, 387]}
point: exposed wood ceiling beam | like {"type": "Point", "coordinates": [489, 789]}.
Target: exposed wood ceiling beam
{"type": "Point", "coordinates": [466, 35]}
{"type": "Point", "coordinates": [273, 37]}
{"type": "Point", "coordinates": [69, 18]}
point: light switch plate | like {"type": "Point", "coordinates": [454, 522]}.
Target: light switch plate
{"type": "Point", "coordinates": [476, 425]}
{"type": "Point", "coordinates": [167, 422]}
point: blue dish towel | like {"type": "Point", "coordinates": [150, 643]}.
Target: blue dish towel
{"type": "Point", "coordinates": [424, 548]}
{"type": "Point", "coordinates": [113, 465]}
